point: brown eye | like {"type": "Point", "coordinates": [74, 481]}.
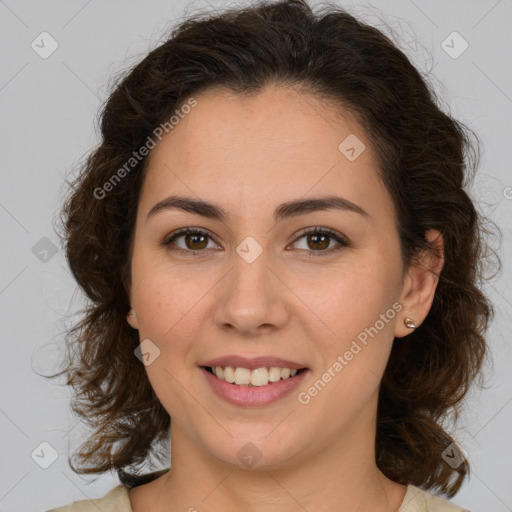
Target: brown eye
{"type": "Point", "coordinates": [318, 241]}
{"type": "Point", "coordinates": [196, 241]}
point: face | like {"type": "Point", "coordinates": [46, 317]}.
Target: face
{"type": "Point", "coordinates": [319, 288]}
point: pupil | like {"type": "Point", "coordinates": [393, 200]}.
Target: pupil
{"type": "Point", "coordinates": [194, 237]}
{"type": "Point", "coordinates": [325, 237]}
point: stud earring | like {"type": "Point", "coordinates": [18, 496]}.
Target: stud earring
{"type": "Point", "coordinates": [130, 314]}
{"type": "Point", "coordinates": [409, 322]}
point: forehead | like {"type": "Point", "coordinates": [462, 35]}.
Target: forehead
{"type": "Point", "coordinates": [278, 143]}
{"type": "Point", "coordinates": [261, 123]}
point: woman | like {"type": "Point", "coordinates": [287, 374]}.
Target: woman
{"type": "Point", "coordinates": [282, 267]}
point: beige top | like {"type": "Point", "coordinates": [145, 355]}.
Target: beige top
{"type": "Point", "coordinates": [117, 500]}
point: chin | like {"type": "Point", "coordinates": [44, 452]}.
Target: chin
{"type": "Point", "coordinates": [256, 451]}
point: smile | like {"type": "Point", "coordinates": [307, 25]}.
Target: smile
{"type": "Point", "coordinates": [256, 377]}
{"type": "Point", "coordinates": [257, 387]}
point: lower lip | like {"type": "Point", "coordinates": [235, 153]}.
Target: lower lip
{"type": "Point", "coordinates": [254, 395]}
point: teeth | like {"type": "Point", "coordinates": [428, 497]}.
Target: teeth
{"type": "Point", "coordinates": [274, 374]}
{"type": "Point", "coordinates": [229, 373]}
{"type": "Point", "coordinates": [257, 377]}
{"type": "Point", "coordinates": [242, 376]}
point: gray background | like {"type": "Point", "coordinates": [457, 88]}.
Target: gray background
{"type": "Point", "coordinates": [48, 123]}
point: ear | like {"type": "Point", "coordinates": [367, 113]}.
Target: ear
{"type": "Point", "coordinates": [131, 316]}
{"type": "Point", "coordinates": [132, 320]}
{"type": "Point", "coordinates": [420, 283]}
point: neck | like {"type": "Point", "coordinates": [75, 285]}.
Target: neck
{"type": "Point", "coordinates": [339, 476]}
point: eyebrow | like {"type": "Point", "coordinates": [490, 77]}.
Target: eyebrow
{"type": "Point", "coordinates": [283, 211]}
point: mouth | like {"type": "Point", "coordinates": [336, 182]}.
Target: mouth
{"type": "Point", "coordinates": [255, 386]}
{"type": "Point", "coordinates": [255, 377]}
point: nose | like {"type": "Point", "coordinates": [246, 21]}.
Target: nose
{"type": "Point", "coordinates": [252, 300]}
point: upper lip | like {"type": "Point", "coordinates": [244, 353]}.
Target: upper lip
{"type": "Point", "coordinates": [253, 362]}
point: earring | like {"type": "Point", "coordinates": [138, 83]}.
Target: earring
{"type": "Point", "coordinates": [130, 314]}
{"type": "Point", "coordinates": [409, 322]}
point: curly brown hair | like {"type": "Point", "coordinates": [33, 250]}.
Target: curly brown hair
{"type": "Point", "coordinates": [426, 158]}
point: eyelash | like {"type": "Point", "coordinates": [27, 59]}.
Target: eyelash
{"type": "Point", "coordinates": [343, 242]}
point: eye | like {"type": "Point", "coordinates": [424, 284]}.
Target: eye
{"type": "Point", "coordinates": [319, 240]}
{"type": "Point", "coordinates": [195, 241]}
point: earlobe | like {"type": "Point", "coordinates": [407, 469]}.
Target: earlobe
{"type": "Point", "coordinates": [132, 319]}
{"type": "Point", "coordinates": [409, 322]}
{"type": "Point", "coordinates": [421, 283]}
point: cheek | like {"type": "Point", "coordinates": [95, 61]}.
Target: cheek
{"type": "Point", "coordinates": [164, 295]}
{"type": "Point", "coordinates": [169, 313]}
{"type": "Point", "coordinates": [349, 298]}
{"type": "Point", "coordinates": [354, 358]}
{"type": "Point", "coordinates": [357, 304]}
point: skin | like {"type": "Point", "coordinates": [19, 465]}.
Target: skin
{"type": "Point", "coordinates": [250, 154]}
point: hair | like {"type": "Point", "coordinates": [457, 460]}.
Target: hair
{"type": "Point", "coordinates": [426, 160]}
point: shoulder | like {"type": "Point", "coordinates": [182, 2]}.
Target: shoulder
{"type": "Point", "coordinates": [116, 500]}
{"type": "Point", "coordinates": [417, 500]}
